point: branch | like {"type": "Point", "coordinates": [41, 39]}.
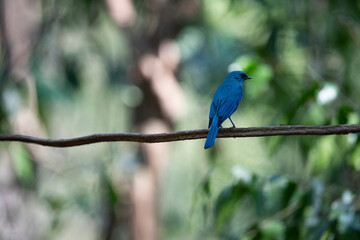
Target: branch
{"type": "Point", "coordinates": [281, 130]}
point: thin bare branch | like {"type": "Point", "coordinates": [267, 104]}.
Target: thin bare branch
{"type": "Point", "coordinates": [281, 130]}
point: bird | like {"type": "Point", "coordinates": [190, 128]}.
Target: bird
{"type": "Point", "coordinates": [226, 100]}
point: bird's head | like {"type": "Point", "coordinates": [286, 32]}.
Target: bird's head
{"type": "Point", "coordinates": [238, 76]}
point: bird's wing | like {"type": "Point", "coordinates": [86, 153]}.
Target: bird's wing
{"type": "Point", "coordinates": [225, 102]}
{"type": "Point", "coordinates": [226, 107]}
{"type": "Point", "coordinates": [212, 113]}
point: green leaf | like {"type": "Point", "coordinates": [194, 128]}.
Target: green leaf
{"type": "Point", "coordinates": [343, 114]}
{"type": "Point", "coordinates": [205, 185]}
{"type": "Point", "coordinates": [22, 163]}
{"type": "Point", "coordinates": [227, 201]}
{"type": "Point", "coordinates": [288, 192]}
{"type": "Point", "coordinates": [319, 230]}
{"type": "Point", "coordinates": [307, 95]}
{"type": "Point", "coordinates": [273, 230]}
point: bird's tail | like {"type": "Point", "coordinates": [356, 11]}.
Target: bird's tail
{"type": "Point", "coordinates": [214, 128]}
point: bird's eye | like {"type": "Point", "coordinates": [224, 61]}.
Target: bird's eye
{"type": "Point", "coordinates": [243, 75]}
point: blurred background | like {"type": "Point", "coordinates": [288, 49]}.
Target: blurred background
{"type": "Point", "coordinates": [72, 68]}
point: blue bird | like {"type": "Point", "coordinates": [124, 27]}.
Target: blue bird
{"type": "Point", "coordinates": [225, 102]}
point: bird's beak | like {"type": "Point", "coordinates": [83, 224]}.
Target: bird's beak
{"type": "Point", "coordinates": [248, 77]}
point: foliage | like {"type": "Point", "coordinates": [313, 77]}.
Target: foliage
{"type": "Point", "coordinates": [303, 57]}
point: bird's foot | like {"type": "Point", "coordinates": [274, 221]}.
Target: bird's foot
{"type": "Point", "coordinates": [232, 123]}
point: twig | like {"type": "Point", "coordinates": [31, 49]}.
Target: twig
{"type": "Point", "coordinates": [281, 130]}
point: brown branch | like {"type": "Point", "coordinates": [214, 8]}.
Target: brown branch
{"type": "Point", "coordinates": [281, 130]}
